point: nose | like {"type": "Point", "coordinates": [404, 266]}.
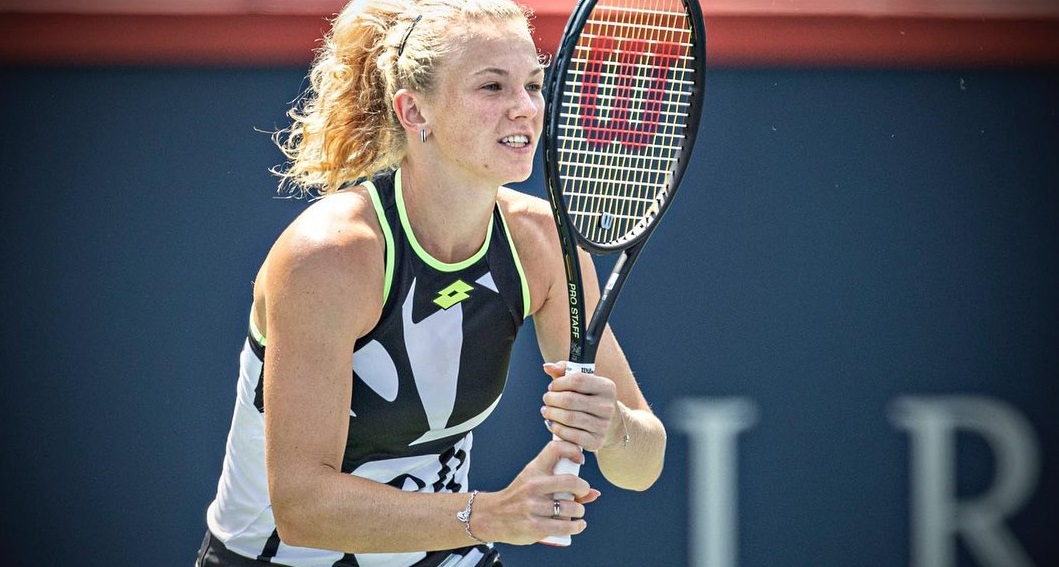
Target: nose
{"type": "Point", "coordinates": [527, 104]}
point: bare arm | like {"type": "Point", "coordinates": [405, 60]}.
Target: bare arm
{"type": "Point", "coordinates": [592, 411]}
{"type": "Point", "coordinates": [597, 411]}
{"type": "Point", "coordinates": [321, 289]}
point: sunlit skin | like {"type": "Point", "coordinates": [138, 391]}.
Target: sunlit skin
{"type": "Point", "coordinates": [483, 122]}
{"type": "Point", "coordinates": [488, 91]}
{"type": "Point", "coordinates": [321, 289]}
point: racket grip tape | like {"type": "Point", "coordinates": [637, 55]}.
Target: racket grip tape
{"type": "Point", "coordinates": [566, 466]}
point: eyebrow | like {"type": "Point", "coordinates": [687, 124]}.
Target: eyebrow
{"type": "Point", "coordinates": [504, 73]}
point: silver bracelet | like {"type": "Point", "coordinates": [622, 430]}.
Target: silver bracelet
{"type": "Point", "coordinates": [465, 517]}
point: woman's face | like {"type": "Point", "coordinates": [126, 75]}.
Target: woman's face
{"type": "Point", "coordinates": [487, 112]}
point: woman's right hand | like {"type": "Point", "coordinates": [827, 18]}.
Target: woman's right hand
{"type": "Point", "coordinates": [523, 513]}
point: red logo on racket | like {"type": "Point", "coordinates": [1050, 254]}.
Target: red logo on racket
{"type": "Point", "coordinates": [626, 78]}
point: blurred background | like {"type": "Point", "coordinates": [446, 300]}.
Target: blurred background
{"type": "Point", "coordinates": [849, 322]}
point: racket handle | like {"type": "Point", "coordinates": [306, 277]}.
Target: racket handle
{"type": "Point", "coordinates": [566, 466]}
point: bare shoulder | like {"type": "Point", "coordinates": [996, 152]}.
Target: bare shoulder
{"type": "Point", "coordinates": [533, 231]}
{"type": "Point", "coordinates": [529, 217]}
{"type": "Point", "coordinates": [333, 249]}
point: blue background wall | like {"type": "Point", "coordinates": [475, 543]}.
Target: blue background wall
{"type": "Point", "coordinates": [844, 238]}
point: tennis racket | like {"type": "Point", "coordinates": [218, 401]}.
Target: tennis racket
{"type": "Point", "coordinates": [624, 99]}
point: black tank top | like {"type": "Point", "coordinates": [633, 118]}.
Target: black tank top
{"type": "Point", "coordinates": [436, 363]}
{"type": "Point", "coordinates": [432, 369]}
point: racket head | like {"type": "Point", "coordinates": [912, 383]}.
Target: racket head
{"type": "Point", "coordinates": [624, 101]}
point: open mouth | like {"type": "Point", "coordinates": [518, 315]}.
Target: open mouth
{"type": "Point", "coordinates": [516, 141]}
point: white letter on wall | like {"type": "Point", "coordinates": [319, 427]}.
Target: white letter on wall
{"type": "Point", "coordinates": [711, 425]}
{"type": "Point", "coordinates": [937, 517]}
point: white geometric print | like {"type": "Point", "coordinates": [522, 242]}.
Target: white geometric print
{"type": "Point", "coordinates": [434, 347]}
{"type": "Point", "coordinates": [375, 367]}
{"type": "Point", "coordinates": [487, 281]}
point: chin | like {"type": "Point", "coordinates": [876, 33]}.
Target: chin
{"type": "Point", "coordinates": [522, 173]}
{"type": "Point", "coordinates": [514, 171]}
{"type": "Point", "coordinates": [521, 177]}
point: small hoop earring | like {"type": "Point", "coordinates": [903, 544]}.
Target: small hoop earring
{"type": "Point", "coordinates": [423, 135]}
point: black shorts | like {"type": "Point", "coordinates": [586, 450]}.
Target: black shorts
{"type": "Point", "coordinates": [213, 553]}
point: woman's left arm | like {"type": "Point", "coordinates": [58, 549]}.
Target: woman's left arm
{"type": "Point", "coordinates": [594, 411]}
{"type": "Point", "coordinates": [605, 413]}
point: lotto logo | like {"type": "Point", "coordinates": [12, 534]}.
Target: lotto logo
{"type": "Point", "coordinates": [453, 294]}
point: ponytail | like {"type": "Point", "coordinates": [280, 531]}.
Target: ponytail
{"type": "Point", "coordinates": [343, 127]}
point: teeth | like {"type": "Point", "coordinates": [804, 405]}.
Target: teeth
{"type": "Point", "coordinates": [517, 141]}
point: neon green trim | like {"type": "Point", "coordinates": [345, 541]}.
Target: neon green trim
{"type": "Point", "coordinates": [387, 234]}
{"type": "Point", "coordinates": [518, 266]}
{"type": "Point", "coordinates": [423, 254]}
{"type": "Point", "coordinates": [256, 333]}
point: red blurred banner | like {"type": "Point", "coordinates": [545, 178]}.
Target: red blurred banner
{"type": "Point", "coordinates": [740, 33]}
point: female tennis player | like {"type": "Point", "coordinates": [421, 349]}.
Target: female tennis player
{"type": "Point", "coordinates": [383, 317]}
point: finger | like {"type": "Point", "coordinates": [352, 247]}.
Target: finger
{"type": "Point", "coordinates": [583, 438]}
{"type": "Point", "coordinates": [555, 369]}
{"type": "Point", "coordinates": [562, 369]}
{"type": "Point", "coordinates": [583, 420]}
{"type": "Point", "coordinates": [568, 484]}
{"type": "Point", "coordinates": [589, 498]}
{"type": "Point", "coordinates": [565, 509]}
{"type": "Point", "coordinates": [568, 450]}
{"type": "Point", "coordinates": [554, 451]}
{"type": "Point", "coordinates": [567, 404]}
{"type": "Point", "coordinates": [564, 527]}
{"type": "Point", "coordinates": [591, 415]}
{"type": "Point", "coordinates": [588, 384]}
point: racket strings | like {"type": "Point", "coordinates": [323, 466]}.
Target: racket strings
{"type": "Point", "coordinates": [626, 98]}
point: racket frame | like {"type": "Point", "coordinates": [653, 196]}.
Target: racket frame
{"type": "Point", "coordinates": [584, 338]}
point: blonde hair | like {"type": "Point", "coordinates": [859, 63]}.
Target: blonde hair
{"type": "Point", "coordinates": [343, 126]}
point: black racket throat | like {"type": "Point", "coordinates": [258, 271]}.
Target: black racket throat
{"type": "Point", "coordinates": [593, 333]}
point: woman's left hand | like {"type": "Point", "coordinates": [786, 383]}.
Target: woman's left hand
{"type": "Point", "coordinates": [581, 408]}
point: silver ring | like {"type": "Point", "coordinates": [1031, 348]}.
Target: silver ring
{"type": "Point", "coordinates": [555, 508]}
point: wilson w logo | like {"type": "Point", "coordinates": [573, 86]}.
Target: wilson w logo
{"type": "Point", "coordinates": [622, 91]}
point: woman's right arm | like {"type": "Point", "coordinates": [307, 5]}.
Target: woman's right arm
{"type": "Point", "coordinates": [322, 289]}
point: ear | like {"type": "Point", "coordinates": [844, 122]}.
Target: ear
{"type": "Point", "coordinates": [406, 105]}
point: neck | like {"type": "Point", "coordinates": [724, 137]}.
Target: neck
{"type": "Point", "coordinates": [450, 219]}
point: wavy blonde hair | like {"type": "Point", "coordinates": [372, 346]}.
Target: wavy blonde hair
{"type": "Point", "coordinates": [343, 126]}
